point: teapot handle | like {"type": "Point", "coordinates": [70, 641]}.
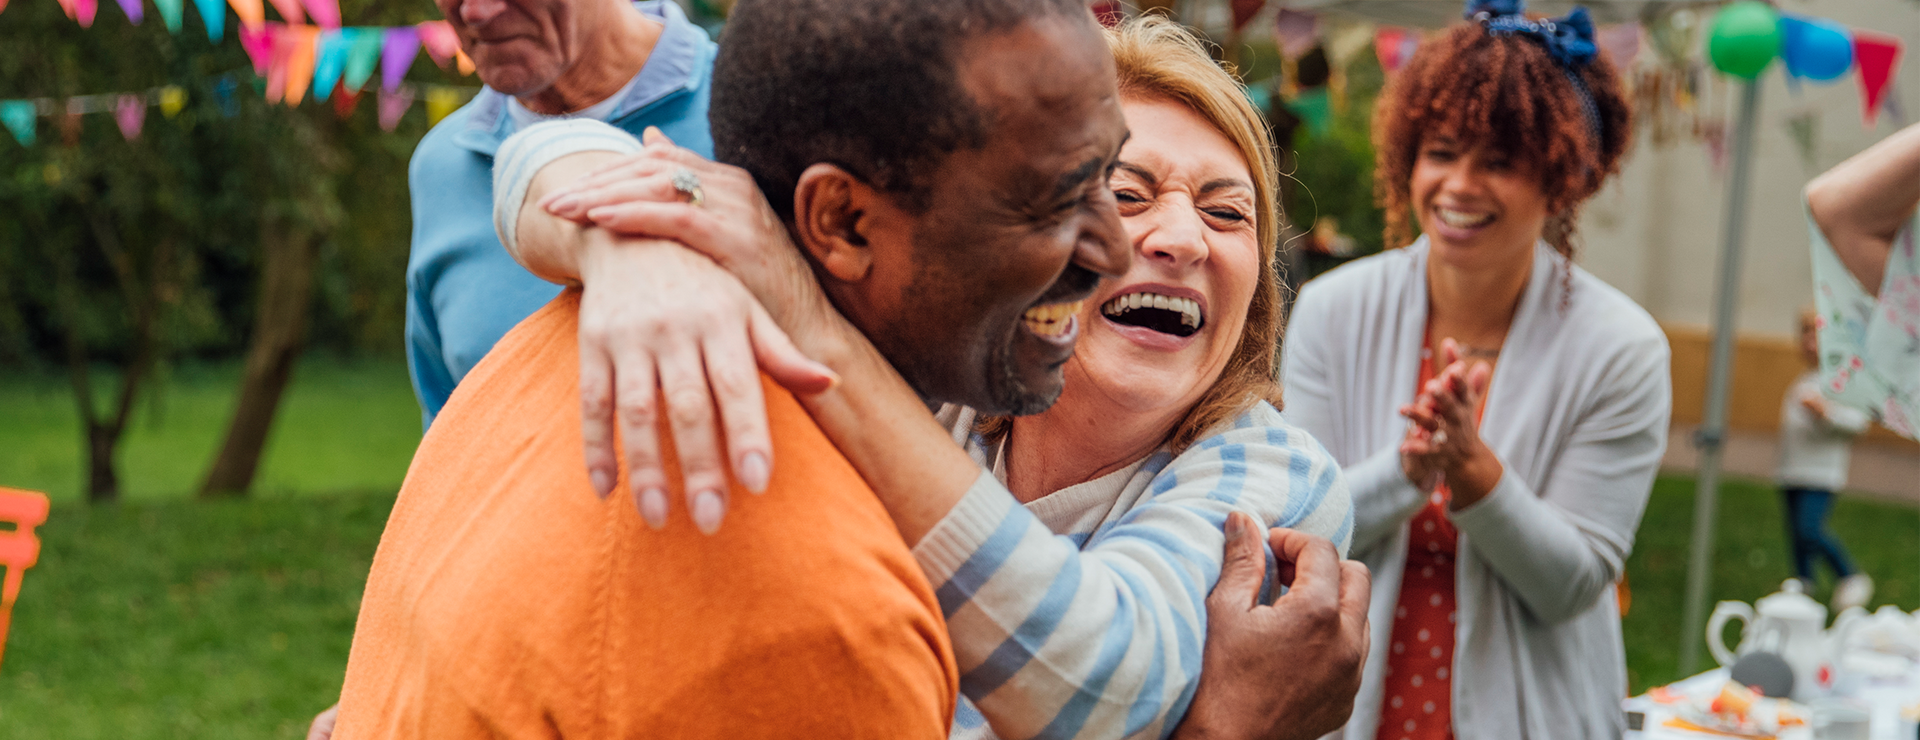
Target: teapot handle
{"type": "Point", "coordinates": [1716, 641]}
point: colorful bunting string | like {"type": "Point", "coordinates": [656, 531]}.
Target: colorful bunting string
{"type": "Point", "coordinates": [129, 109]}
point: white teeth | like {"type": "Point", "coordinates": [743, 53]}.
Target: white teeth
{"type": "Point", "coordinates": [1188, 308]}
{"type": "Point", "coordinates": [1462, 219]}
{"type": "Point", "coordinates": [1053, 319]}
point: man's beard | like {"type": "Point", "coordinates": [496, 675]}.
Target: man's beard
{"type": "Point", "coordinates": [1009, 392]}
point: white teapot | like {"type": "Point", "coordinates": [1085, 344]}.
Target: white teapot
{"type": "Point", "coordinates": [1789, 624]}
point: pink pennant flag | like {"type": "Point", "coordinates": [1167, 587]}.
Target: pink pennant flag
{"type": "Point", "coordinates": [1876, 57]}
{"type": "Point", "coordinates": [134, 10]}
{"type": "Point", "coordinates": [130, 111]}
{"type": "Point", "coordinates": [399, 47]}
{"type": "Point", "coordinates": [258, 43]}
{"type": "Point", "coordinates": [300, 60]}
{"type": "Point", "coordinates": [393, 104]}
{"type": "Point", "coordinates": [84, 10]}
{"type": "Point", "coordinates": [290, 11]}
{"type": "Point", "coordinates": [440, 40]}
{"type": "Point", "coordinates": [1394, 46]}
{"type": "Point", "coordinates": [1296, 32]}
{"type": "Point", "coordinates": [325, 13]}
{"type": "Point", "coordinates": [277, 68]}
{"type": "Point", "coordinates": [252, 14]}
{"type": "Point", "coordinates": [1621, 42]}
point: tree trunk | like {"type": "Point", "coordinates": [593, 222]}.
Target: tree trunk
{"type": "Point", "coordinates": [103, 480]}
{"type": "Point", "coordinates": [286, 290]}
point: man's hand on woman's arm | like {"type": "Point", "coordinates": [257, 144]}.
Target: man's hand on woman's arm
{"type": "Point", "coordinates": [1290, 670]}
{"type": "Point", "coordinates": [663, 331]}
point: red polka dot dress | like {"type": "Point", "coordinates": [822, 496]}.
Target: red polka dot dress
{"type": "Point", "coordinates": [1418, 704]}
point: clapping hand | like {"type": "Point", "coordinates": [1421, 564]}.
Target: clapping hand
{"type": "Point", "coordinates": [1443, 441]}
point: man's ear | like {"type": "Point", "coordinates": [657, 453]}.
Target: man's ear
{"type": "Point", "coordinates": [828, 209]}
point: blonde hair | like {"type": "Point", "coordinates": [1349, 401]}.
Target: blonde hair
{"type": "Point", "coordinates": [1155, 58]}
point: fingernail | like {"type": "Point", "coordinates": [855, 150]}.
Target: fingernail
{"type": "Point", "coordinates": [564, 204]}
{"type": "Point", "coordinates": [602, 482]}
{"type": "Point", "coordinates": [1236, 527]}
{"type": "Point", "coordinates": [707, 511]}
{"type": "Point", "coordinates": [653, 507]}
{"type": "Point", "coordinates": [754, 472]}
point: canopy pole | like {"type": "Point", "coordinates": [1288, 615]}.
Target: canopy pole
{"type": "Point", "coordinates": [1713, 425]}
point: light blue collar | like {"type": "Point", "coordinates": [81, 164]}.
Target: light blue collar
{"type": "Point", "coordinates": [673, 66]}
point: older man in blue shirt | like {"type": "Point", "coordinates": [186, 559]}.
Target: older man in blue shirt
{"type": "Point", "coordinates": [632, 65]}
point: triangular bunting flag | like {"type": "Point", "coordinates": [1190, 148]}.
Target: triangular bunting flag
{"type": "Point", "coordinates": [300, 61]}
{"type": "Point", "coordinates": [345, 102]}
{"type": "Point", "coordinates": [252, 14]}
{"type": "Point", "coordinates": [172, 99]}
{"type": "Point", "coordinates": [1394, 46]}
{"type": "Point", "coordinates": [462, 62]}
{"type": "Point", "coordinates": [400, 46]}
{"type": "Point", "coordinates": [1622, 43]}
{"type": "Point", "coordinates": [84, 11]}
{"type": "Point", "coordinates": [258, 44]}
{"type": "Point", "coordinates": [223, 93]}
{"type": "Point", "coordinates": [290, 11]}
{"type": "Point", "coordinates": [18, 115]}
{"type": "Point", "coordinates": [134, 10]}
{"type": "Point", "coordinates": [325, 13]}
{"type": "Point", "coordinates": [363, 52]}
{"type": "Point", "coordinates": [1296, 32]}
{"type": "Point", "coordinates": [441, 101]}
{"type": "Point", "coordinates": [1874, 57]}
{"type": "Point", "coordinates": [393, 104]}
{"type": "Point", "coordinates": [130, 111]}
{"type": "Point", "coordinates": [1244, 11]}
{"type": "Point", "coordinates": [330, 59]}
{"type": "Point", "coordinates": [170, 14]}
{"type": "Point", "coordinates": [214, 14]}
{"type": "Point", "coordinates": [440, 40]}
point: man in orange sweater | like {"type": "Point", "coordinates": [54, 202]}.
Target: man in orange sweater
{"type": "Point", "coordinates": [506, 601]}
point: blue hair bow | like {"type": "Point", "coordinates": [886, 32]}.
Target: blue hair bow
{"type": "Point", "coordinates": [1568, 40]}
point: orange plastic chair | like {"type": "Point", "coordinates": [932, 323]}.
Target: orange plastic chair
{"type": "Point", "coordinates": [19, 549]}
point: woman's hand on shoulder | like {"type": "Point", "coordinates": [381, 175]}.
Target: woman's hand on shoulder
{"type": "Point", "coordinates": [665, 332]}
{"type": "Point", "coordinates": [653, 194]}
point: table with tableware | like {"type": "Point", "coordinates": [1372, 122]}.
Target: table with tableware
{"type": "Point", "coordinates": [1792, 677]}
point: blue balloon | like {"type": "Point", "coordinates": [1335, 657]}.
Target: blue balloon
{"type": "Point", "coordinates": [1815, 48]}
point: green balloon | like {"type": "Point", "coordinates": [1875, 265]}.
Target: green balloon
{"type": "Point", "coordinates": [1745, 38]}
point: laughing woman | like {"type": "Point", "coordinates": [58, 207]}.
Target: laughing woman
{"type": "Point", "coordinates": [1075, 572]}
{"type": "Point", "coordinates": [1497, 521]}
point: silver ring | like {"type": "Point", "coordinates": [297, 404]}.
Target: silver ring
{"type": "Point", "coordinates": [1439, 437]}
{"type": "Point", "coordinates": [688, 183]}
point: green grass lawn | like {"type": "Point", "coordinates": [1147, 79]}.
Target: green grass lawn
{"type": "Point", "coordinates": [344, 425]}
{"type": "Point", "coordinates": [163, 617]}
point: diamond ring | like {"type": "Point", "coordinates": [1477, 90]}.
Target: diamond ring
{"type": "Point", "coordinates": [686, 182]}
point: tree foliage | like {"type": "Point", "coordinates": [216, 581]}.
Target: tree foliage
{"type": "Point", "coordinates": [119, 255]}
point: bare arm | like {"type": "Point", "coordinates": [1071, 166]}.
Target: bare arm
{"type": "Point", "coordinates": [1864, 202]}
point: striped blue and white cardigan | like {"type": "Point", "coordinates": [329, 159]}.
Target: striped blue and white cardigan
{"type": "Point", "coordinates": [1082, 614]}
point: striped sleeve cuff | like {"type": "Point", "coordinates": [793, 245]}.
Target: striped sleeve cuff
{"type": "Point", "coordinates": [522, 156]}
{"type": "Point", "coordinates": [967, 529]}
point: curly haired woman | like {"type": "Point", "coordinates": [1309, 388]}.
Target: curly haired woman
{"type": "Point", "coordinates": [1498, 411]}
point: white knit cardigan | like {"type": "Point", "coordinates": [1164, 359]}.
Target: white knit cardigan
{"type": "Point", "coordinates": [1577, 413]}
